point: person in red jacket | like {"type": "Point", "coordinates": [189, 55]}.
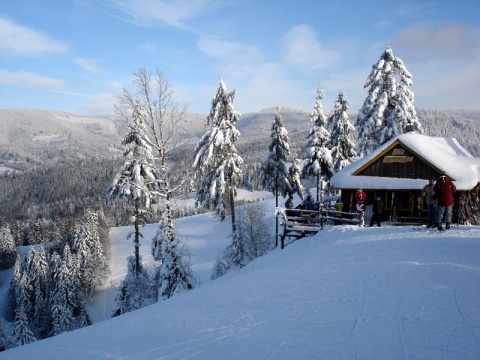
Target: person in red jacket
{"type": "Point", "coordinates": [444, 189]}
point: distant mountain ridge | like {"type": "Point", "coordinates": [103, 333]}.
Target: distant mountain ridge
{"type": "Point", "coordinates": [31, 137]}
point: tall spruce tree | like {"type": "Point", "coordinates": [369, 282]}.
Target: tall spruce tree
{"type": "Point", "coordinates": [341, 145]}
{"type": "Point", "coordinates": [317, 160]}
{"type": "Point", "coordinates": [21, 332]}
{"type": "Point", "coordinates": [217, 163]}
{"type": "Point", "coordinates": [388, 110]}
{"type": "Point", "coordinates": [8, 251]}
{"type": "Point", "coordinates": [138, 180]}
{"type": "Point", "coordinates": [94, 269]}
{"type": "Point", "coordinates": [273, 173]}
{"type": "Point", "coordinates": [274, 170]}
{"type": "Point", "coordinates": [41, 283]}
{"type": "Point", "coordinates": [62, 298]}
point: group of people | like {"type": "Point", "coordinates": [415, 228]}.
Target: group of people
{"type": "Point", "coordinates": [307, 204]}
{"type": "Point", "coordinates": [439, 199]}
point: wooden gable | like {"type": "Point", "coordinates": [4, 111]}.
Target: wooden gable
{"type": "Point", "coordinates": [398, 161]}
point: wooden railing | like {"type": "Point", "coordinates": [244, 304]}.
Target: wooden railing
{"type": "Point", "coordinates": [298, 223]}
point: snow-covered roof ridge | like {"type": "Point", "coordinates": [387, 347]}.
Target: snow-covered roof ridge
{"type": "Point", "coordinates": [443, 153]}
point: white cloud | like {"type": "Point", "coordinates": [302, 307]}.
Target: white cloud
{"type": "Point", "coordinates": [115, 85]}
{"type": "Point", "coordinates": [259, 83]}
{"type": "Point", "coordinates": [229, 51]}
{"type": "Point", "coordinates": [99, 104]}
{"type": "Point", "coordinates": [19, 40]}
{"type": "Point", "coordinates": [301, 48]}
{"type": "Point", "coordinates": [446, 43]}
{"type": "Point", "coordinates": [88, 65]}
{"type": "Point", "coordinates": [29, 80]}
{"type": "Point", "coordinates": [169, 12]}
{"type": "Point", "coordinates": [462, 84]}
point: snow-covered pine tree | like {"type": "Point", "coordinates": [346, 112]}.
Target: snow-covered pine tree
{"type": "Point", "coordinates": [251, 240]}
{"type": "Point", "coordinates": [136, 289]}
{"type": "Point", "coordinates": [15, 283]}
{"type": "Point", "coordinates": [341, 145]}
{"type": "Point", "coordinates": [8, 251]}
{"type": "Point", "coordinates": [21, 332]}
{"type": "Point", "coordinates": [317, 160]}
{"type": "Point", "coordinates": [138, 180]}
{"type": "Point", "coordinates": [95, 265]}
{"type": "Point", "coordinates": [274, 172]}
{"type": "Point", "coordinates": [41, 282]}
{"type": "Point", "coordinates": [294, 185]}
{"type": "Point", "coordinates": [26, 294]}
{"type": "Point", "coordinates": [174, 273]}
{"type": "Point", "coordinates": [62, 298]}
{"type": "Point", "coordinates": [17, 229]}
{"type": "Point", "coordinates": [388, 110]}
{"type": "Point", "coordinates": [217, 163]}
{"type": "Point", "coordinates": [22, 292]}
{"type": "Point", "coordinates": [79, 309]}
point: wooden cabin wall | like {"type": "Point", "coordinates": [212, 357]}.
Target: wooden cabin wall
{"type": "Point", "coordinates": [400, 163]}
{"type": "Point", "coordinates": [408, 203]}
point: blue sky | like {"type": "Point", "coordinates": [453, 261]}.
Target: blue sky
{"type": "Point", "coordinates": [76, 55]}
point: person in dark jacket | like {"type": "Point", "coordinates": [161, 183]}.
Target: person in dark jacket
{"type": "Point", "coordinates": [307, 203]}
{"type": "Point", "coordinates": [377, 211]}
{"type": "Point", "coordinates": [289, 206]}
{"type": "Point", "coordinates": [430, 201]}
{"type": "Point", "coordinates": [444, 189]}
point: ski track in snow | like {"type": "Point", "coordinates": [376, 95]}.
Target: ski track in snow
{"type": "Point", "coordinates": [460, 311]}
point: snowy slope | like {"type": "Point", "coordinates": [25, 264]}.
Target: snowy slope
{"type": "Point", "coordinates": [346, 293]}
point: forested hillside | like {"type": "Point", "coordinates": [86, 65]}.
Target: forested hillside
{"type": "Point", "coordinates": [460, 124]}
{"type": "Point", "coordinates": [79, 179]}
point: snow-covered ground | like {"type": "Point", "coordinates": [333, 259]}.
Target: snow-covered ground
{"type": "Point", "coordinates": [346, 293]}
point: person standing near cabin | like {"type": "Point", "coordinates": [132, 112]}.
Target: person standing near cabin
{"type": "Point", "coordinates": [307, 203]}
{"type": "Point", "coordinates": [430, 201]}
{"type": "Point", "coordinates": [444, 189]}
{"type": "Point", "coordinates": [377, 211]}
{"type": "Point", "coordinates": [289, 205]}
{"type": "Point", "coordinates": [289, 202]}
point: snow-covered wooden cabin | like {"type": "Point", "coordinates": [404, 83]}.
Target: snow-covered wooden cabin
{"type": "Point", "coordinates": [400, 168]}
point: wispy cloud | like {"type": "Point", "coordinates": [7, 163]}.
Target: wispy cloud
{"type": "Point", "coordinates": [29, 80]}
{"type": "Point", "coordinates": [99, 104]}
{"type": "Point", "coordinates": [230, 51]}
{"type": "Point", "coordinates": [169, 12]}
{"type": "Point", "coordinates": [462, 84]}
{"type": "Point", "coordinates": [19, 40]}
{"type": "Point", "coordinates": [449, 42]}
{"type": "Point", "coordinates": [409, 9]}
{"type": "Point", "coordinates": [302, 48]}
{"type": "Point", "coordinates": [88, 65]}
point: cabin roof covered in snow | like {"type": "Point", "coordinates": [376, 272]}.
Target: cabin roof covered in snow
{"type": "Point", "coordinates": [442, 154]}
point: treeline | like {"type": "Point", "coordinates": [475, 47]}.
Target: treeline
{"type": "Point", "coordinates": [28, 198]}
{"type": "Point", "coordinates": [457, 124]}
{"type": "Point", "coordinates": [50, 285]}
{"type": "Point", "coordinates": [71, 187]}
{"type": "Point", "coordinates": [63, 188]}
